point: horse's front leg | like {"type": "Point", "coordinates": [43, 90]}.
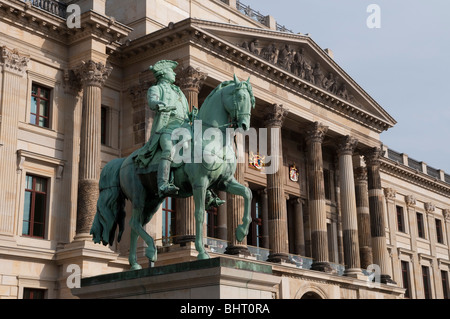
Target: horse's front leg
{"type": "Point", "coordinates": [233, 187]}
{"type": "Point", "coordinates": [199, 192]}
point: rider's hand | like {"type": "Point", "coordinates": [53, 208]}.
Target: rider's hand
{"type": "Point", "coordinates": [161, 106]}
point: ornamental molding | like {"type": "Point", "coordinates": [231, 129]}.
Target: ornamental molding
{"type": "Point", "coordinates": [373, 156]}
{"type": "Point", "coordinates": [446, 213]}
{"type": "Point", "coordinates": [190, 78]}
{"type": "Point", "coordinates": [429, 208]}
{"type": "Point", "coordinates": [389, 193]}
{"type": "Point", "coordinates": [361, 174]}
{"type": "Point", "coordinates": [410, 200]}
{"type": "Point", "coordinates": [14, 62]}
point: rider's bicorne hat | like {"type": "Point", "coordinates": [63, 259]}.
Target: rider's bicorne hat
{"type": "Point", "coordinates": [159, 67]}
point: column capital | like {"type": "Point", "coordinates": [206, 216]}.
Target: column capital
{"type": "Point", "coordinates": [190, 78]}
{"type": "Point", "coordinates": [316, 132]}
{"type": "Point", "coordinates": [361, 174]}
{"type": "Point", "coordinates": [429, 208]}
{"type": "Point", "coordinates": [93, 73]}
{"type": "Point", "coordinates": [389, 193]}
{"type": "Point", "coordinates": [13, 61]}
{"type": "Point", "coordinates": [446, 213]}
{"type": "Point", "coordinates": [373, 156]}
{"type": "Point", "coordinates": [347, 145]}
{"type": "Point", "coordinates": [71, 84]}
{"type": "Point", "coordinates": [297, 201]}
{"type": "Point", "coordinates": [275, 115]}
{"type": "Point", "coordinates": [410, 200]}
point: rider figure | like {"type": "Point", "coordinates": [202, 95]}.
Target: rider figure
{"type": "Point", "coordinates": [172, 109]}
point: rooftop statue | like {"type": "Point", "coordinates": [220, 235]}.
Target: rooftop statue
{"type": "Point", "coordinates": [150, 174]}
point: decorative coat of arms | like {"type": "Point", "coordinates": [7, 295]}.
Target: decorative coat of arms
{"type": "Point", "coordinates": [293, 173]}
{"type": "Point", "coordinates": [256, 161]}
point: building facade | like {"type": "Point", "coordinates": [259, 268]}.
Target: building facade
{"type": "Point", "coordinates": [74, 98]}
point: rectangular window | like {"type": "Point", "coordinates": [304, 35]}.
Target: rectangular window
{"type": "Point", "coordinates": [420, 225]}
{"type": "Point", "coordinates": [400, 219]}
{"type": "Point", "coordinates": [426, 282]}
{"type": "Point", "coordinates": [31, 293]}
{"type": "Point", "coordinates": [35, 207]}
{"type": "Point", "coordinates": [439, 233]}
{"type": "Point", "coordinates": [445, 287]}
{"type": "Point", "coordinates": [40, 106]}
{"type": "Point", "coordinates": [405, 277]}
{"type": "Point", "coordinates": [168, 223]}
{"type": "Point", "coordinates": [254, 237]}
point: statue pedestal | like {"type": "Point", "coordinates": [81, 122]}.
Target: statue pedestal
{"type": "Point", "coordinates": [215, 278]}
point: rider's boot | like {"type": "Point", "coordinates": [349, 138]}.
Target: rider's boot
{"type": "Point", "coordinates": [164, 187]}
{"type": "Point", "coordinates": [212, 200]}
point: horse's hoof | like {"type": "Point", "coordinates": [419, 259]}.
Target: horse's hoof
{"type": "Point", "coordinates": [150, 253]}
{"type": "Point", "coordinates": [240, 233]}
{"type": "Point", "coordinates": [136, 267]}
{"type": "Point", "coordinates": [202, 256]}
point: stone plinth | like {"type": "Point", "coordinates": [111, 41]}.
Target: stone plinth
{"type": "Point", "coordinates": [203, 279]}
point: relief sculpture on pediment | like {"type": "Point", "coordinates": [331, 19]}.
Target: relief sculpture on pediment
{"type": "Point", "coordinates": [294, 60]}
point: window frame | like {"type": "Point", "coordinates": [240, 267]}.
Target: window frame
{"type": "Point", "coordinates": [420, 225]}
{"type": "Point", "coordinates": [401, 227]}
{"type": "Point", "coordinates": [38, 105]}
{"type": "Point", "coordinates": [439, 231]}
{"type": "Point", "coordinates": [30, 232]}
{"type": "Point", "coordinates": [406, 280]}
{"type": "Point", "coordinates": [29, 292]}
{"type": "Point", "coordinates": [166, 231]}
{"type": "Point", "coordinates": [426, 280]}
{"type": "Point", "coordinates": [445, 284]}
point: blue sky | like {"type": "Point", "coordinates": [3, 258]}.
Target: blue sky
{"type": "Point", "coordinates": [404, 65]}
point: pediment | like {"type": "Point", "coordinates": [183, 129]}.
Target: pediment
{"type": "Point", "coordinates": [299, 60]}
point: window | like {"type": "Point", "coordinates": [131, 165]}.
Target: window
{"type": "Point", "coordinates": [400, 219]}
{"type": "Point", "coordinates": [327, 183]}
{"type": "Point", "coordinates": [104, 124]}
{"type": "Point", "coordinates": [405, 277]}
{"type": "Point", "coordinates": [426, 282]}
{"type": "Point", "coordinates": [31, 293]}
{"type": "Point", "coordinates": [420, 226]}
{"type": "Point", "coordinates": [439, 234]}
{"type": "Point", "coordinates": [212, 222]}
{"type": "Point", "coordinates": [168, 222]}
{"type": "Point", "coordinates": [40, 106]}
{"type": "Point", "coordinates": [35, 207]}
{"type": "Point", "coordinates": [255, 233]}
{"type": "Point", "coordinates": [445, 287]}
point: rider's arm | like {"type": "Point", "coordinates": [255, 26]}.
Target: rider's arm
{"type": "Point", "coordinates": [153, 98]}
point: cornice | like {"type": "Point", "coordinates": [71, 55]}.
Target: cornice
{"type": "Point", "coordinates": [413, 176]}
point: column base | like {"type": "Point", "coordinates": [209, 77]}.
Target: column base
{"type": "Point", "coordinates": [237, 250]}
{"type": "Point", "coordinates": [278, 258]}
{"type": "Point", "coordinates": [355, 273]}
{"type": "Point", "coordinates": [184, 239]}
{"type": "Point", "coordinates": [386, 279]}
{"type": "Point", "coordinates": [322, 266]}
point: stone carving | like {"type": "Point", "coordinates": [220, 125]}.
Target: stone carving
{"type": "Point", "coordinates": [190, 78]}
{"type": "Point", "coordinates": [294, 60]}
{"type": "Point", "coordinates": [275, 115]}
{"type": "Point", "coordinates": [316, 132]}
{"type": "Point", "coordinates": [390, 193]}
{"type": "Point", "coordinates": [12, 61]}
{"type": "Point", "coordinates": [410, 200]}
{"type": "Point", "coordinates": [429, 207]}
{"type": "Point", "coordinates": [347, 145]}
{"type": "Point", "coordinates": [93, 73]}
{"type": "Point", "coordinates": [373, 156]}
{"type": "Point", "coordinates": [446, 213]}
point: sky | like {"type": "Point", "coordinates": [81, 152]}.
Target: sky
{"type": "Point", "coordinates": [404, 64]}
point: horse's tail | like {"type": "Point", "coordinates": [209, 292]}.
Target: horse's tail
{"type": "Point", "coordinates": [110, 205]}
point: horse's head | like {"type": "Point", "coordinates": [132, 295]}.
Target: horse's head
{"type": "Point", "coordinates": [238, 100]}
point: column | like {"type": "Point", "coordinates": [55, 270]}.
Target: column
{"type": "Point", "coordinates": [446, 229]}
{"type": "Point", "coordinates": [362, 209]}
{"type": "Point", "coordinates": [437, 286]}
{"type": "Point", "coordinates": [415, 262]}
{"type": "Point", "coordinates": [277, 210]}
{"type": "Point", "coordinates": [299, 231]}
{"type": "Point", "coordinates": [348, 206]}
{"type": "Point", "coordinates": [190, 81]}
{"type": "Point", "coordinates": [317, 208]}
{"type": "Point", "coordinates": [391, 215]}
{"type": "Point", "coordinates": [265, 218]}
{"type": "Point", "coordinates": [235, 213]}
{"type": "Point", "coordinates": [93, 76]}
{"type": "Point", "coordinates": [14, 67]}
{"type": "Point", "coordinates": [376, 210]}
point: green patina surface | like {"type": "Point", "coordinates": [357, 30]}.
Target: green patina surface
{"type": "Point", "coordinates": [176, 268]}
